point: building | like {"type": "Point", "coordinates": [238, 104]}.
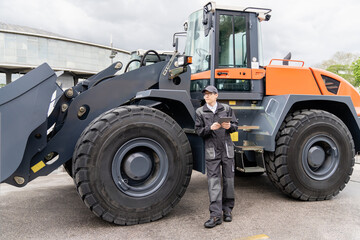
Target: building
{"type": "Point", "coordinates": [23, 49]}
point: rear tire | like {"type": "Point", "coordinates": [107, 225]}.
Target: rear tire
{"type": "Point", "coordinates": [132, 165]}
{"type": "Point", "coordinates": [68, 168]}
{"type": "Point", "coordinates": [314, 156]}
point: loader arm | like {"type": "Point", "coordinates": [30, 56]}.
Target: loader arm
{"type": "Point", "coordinates": [34, 144]}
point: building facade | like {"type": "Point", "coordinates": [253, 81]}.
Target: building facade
{"type": "Point", "coordinates": [23, 49]}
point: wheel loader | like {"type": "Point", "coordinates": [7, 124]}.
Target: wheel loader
{"type": "Point", "coordinates": [128, 140]}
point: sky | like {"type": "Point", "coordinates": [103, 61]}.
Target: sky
{"type": "Point", "coordinates": [313, 31]}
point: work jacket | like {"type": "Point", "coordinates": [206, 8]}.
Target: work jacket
{"type": "Point", "coordinates": [217, 142]}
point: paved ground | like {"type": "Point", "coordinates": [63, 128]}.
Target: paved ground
{"type": "Point", "coordinates": [49, 208]}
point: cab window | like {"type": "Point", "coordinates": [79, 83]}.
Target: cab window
{"type": "Point", "coordinates": [232, 41]}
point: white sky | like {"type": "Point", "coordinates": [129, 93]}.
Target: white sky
{"type": "Point", "coordinates": [312, 30]}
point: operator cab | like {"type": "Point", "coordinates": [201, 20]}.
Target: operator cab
{"type": "Point", "coordinates": [225, 44]}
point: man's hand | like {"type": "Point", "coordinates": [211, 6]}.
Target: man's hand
{"type": "Point", "coordinates": [225, 125]}
{"type": "Point", "coordinates": [215, 126]}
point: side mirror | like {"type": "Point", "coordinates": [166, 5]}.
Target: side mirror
{"type": "Point", "coordinates": [186, 26]}
{"type": "Point", "coordinates": [176, 39]}
{"type": "Point", "coordinates": [207, 18]}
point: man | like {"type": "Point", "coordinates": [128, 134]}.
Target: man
{"type": "Point", "coordinates": [219, 150]}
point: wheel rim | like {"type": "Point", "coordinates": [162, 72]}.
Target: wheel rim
{"type": "Point", "coordinates": [320, 157]}
{"type": "Point", "coordinates": [140, 167]}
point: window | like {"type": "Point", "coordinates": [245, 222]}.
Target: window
{"type": "Point", "coordinates": [232, 41]}
{"type": "Point", "coordinates": [199, 85]}
{"type": "Point", "coordinates": [237, 85]}
{"type": "Point", "coordinates": [197, 44]}
{"type": "Point", "coordinates": [2, 79]}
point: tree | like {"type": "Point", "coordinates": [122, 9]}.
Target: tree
{"type": "Point", "coordinates": [342, 64]}
{"type": "Point", "coordinates": [344, 71]}
{"type": "Point", "coordinates": [339, 58]}
{"type": "Point", "coordinates": [356, 70]}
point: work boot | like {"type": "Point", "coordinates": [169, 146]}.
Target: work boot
{"type": "Point", "coordinates": [212, 222]}
{"type": "Point", "coordinates": [227, 217]}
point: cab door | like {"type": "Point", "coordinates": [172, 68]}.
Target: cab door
{"type": "Point", "coordinates": [237, 73]}
{"type": "Point", "coordinates": [232, 64]}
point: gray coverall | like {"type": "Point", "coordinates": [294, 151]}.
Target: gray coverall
{"type": "Point", "coordinates": [219, 150]}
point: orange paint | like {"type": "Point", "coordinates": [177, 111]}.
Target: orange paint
{"type": "Point", "coordinates": [231, 73]}
{"type": "Point", "coordinates": [281, 80]}
{"type": "Point", "coordinates": [257, 74]}
{"type": "Point", "coordinates": [201, 75]}
{"type": "Point", "coordinates": [345, 88]}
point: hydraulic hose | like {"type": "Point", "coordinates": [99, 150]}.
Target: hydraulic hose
{"type": "Point", "coordinates": [128, 65]}
{"type": "Point", "coordinates": [143, 59]}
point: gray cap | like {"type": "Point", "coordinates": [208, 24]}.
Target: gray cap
{"type": "Point", "coordinates": [210, 88]}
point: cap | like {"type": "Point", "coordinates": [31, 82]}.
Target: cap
{"type": "Point", "coordinates": [211, 89]}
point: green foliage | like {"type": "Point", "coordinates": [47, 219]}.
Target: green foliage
{"type": "Point", "coordinates": [356, 70]}
{"type": "Point", "coordinates": [346, 65]}
{"type": "Point", "coordinates": [343, 71]}
{"type": "Point", "coordinates": [339, 58]}
{"type": "Point", "coordinates": [2, 85]}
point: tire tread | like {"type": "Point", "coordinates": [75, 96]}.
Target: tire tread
{"type": "Point", "coordinates": [276, 164]}
{"type": "Point", "coordinates": [87, 140]}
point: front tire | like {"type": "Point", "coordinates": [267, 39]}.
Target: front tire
{"type": "Point", "coordinates": [132, 165]}
{"type": "Point", "coordinates": [314, 156]}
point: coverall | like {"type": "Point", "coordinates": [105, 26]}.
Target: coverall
{"type": "Point", "coordinates": [219, 150]}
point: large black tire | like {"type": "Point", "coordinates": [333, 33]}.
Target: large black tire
{"type": "Point", "coordinates": [132, 165]}
{"type": "Point", "coordinates": [68, 168]}
{"type": "Point", "coordinates": [314, 156]}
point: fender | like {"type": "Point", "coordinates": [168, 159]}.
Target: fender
{"type": "Point", "coordinates": [180, 96]}
{"type": "Point", "coordinates": [185, 117]}
{"type": "Point", "coordinates": [277, 107]}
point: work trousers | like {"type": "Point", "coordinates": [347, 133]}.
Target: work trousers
{"type": "Point", "coordinates": [220, 200]}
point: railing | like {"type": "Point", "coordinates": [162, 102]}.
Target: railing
{"type": "Point", "coordinates": [287, 60]}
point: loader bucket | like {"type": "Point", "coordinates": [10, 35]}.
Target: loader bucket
{"type": "Point", "coordinates": [23, 107]}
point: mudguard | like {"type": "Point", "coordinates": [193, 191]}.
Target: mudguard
{"type": "Point", "coordinates": [184, 114]}
{"type": "Point", "coordinates": [24, 106]}
{"type": "Point", "coordinates": [277, 107]}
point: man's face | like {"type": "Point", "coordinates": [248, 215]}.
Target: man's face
{"type": "Point", "coordinates": [210, 98]}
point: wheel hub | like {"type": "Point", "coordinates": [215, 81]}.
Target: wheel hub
{"type": "Point", "coordinates": [137, 166]}
{"type": "Point", "coordinates": [320, 157]}
{"type": "Point", "coordinates": [316, 156]}
{"type": "Point", "coordinates": [140, 167]}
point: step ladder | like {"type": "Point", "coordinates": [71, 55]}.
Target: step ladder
{"type": "Point", "coordinates": [247, 128]}
{"type": "Point", "coordinates": [259, 157]}
{"type": "Point", "coordinates": [248, 146]}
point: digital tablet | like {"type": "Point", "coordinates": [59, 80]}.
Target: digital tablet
{"type": "Point", "coordinates": [224, 119]}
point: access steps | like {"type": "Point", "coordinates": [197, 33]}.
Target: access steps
{"type": "Point", "coordinates": [258, 153]}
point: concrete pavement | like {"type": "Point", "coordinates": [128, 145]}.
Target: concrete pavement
{"type": "Point", "coordinates": [49, 208]}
